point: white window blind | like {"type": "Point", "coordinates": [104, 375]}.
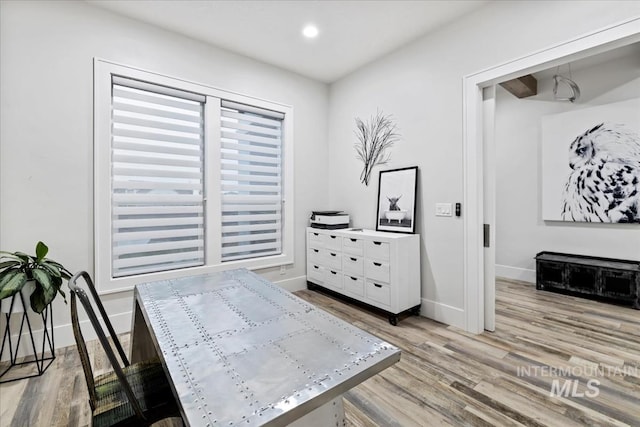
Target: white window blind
{"type": "Point", "coordinates": [157, 178]}
{"type": "Point", "coordinates": [251, 181]}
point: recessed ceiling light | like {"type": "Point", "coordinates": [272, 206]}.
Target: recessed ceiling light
{"type": "Point", "coordinates": [310, 31]}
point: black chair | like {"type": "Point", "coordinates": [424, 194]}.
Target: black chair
{"type": "Point", "coordinates": [136, 394]}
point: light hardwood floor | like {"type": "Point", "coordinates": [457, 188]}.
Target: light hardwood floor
{"type": "Point", "coordinates": [446, 376]}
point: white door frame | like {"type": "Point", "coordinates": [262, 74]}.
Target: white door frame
{"type": "Point", "coordinates": [608, 38]}
{"type": "Point", "coordinates": [489, 204]}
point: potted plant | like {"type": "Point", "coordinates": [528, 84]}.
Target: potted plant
{"type": "Point", "coordinates": [19, 271]}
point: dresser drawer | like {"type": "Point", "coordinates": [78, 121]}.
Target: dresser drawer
{"type": "Point", "coordinates": [376, 270]}
{"type": "Point", "coordinates": [316, 273]}
{"type": "Point", "coordinates": [378, 292]}
{"type": "Point", "coordinates": [333, 259]}
{"type": "Point", "coordinates": [316, 239]}
{"type": "Point", "coordinates": [352, 265]}
{"type": "Point", "coordinates": [315, 255]}
{"type": "Point", "coordinates": [354, 284]}
{"type": "Point", "coordinates": [333, 278]}
{"type": "Point", "coordinates": [352, 245]}
{"type": "Point", "coordinates": [376, 249]}
{"type": "Point", "coordinates": [333, 242]}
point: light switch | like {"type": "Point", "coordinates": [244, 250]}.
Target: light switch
{"type": "Point", "coordinates": [443, 209]}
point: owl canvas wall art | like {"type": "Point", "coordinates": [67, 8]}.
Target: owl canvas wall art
{"type": "Point", "coordinates": [591, 164]}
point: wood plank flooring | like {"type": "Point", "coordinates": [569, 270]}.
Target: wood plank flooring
{"type": "Point", "coordinates": [446, 377]}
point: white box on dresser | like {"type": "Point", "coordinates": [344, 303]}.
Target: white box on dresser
{"type": "Point", "coordinates": [378, 268]}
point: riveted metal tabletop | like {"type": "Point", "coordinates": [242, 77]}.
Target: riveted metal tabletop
{"type": "Point", "coordinates": [240, 350]}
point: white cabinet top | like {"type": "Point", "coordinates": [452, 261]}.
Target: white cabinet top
{"type": "Point", "coordinates": [351, 232]}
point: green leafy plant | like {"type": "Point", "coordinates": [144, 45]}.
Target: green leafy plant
{"type": "Point", "coordinates": [16, 268]}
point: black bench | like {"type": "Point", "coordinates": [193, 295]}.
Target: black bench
{"type": "Point", "coordinates": [592, 277]}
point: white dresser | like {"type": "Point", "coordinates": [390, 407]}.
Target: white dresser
{"type": "Point", "coordinates": [378, 268]}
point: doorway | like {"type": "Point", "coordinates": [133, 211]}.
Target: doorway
{"type": "Point", "coordinates": [479, 158]}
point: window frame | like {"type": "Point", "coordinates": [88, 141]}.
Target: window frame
{"type": "Point", "coordinates": [106, 283]}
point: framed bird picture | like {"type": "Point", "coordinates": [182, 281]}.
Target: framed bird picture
{"type": "Point", "coordinates": [591, 164]}
{"type": "Point", "coordinates": [397, 200]}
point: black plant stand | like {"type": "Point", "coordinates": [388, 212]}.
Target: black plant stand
{"type": "Point", "coordinates": [40, 359]}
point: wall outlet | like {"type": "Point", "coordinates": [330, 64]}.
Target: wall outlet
{"type": "Point", "coordinates": [443, 209]}
{"type": "Point", "coordinates": [283, 270]}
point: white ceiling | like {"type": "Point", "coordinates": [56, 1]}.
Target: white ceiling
{"type": "Point", "coordinates": [352, 33]}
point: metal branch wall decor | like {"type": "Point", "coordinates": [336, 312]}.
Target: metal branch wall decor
{"type": "Point", "coordinates": [374, 138]}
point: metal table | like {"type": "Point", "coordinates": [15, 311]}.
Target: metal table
{"type": "Point", "coordinates": [240, 350]}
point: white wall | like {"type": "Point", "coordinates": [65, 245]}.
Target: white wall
{"type": "Point", "coordinates": [46, 51]}
{"type": "Point", "coordinates": [520, 230]}
{"type": "Point", "coordinates": [46, 115]}
{"type": "Point", "coordinates": [421, 86]}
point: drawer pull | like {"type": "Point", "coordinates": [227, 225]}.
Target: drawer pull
{"type": "Point", "coordinates": [377, 243]}
{"type": "Point", "coordinates": [316, 267]}
{"type": "Point", "coordinates": [316, 251]}
{"type": "Point", "coordinates": [333, 237]}
{"type": "Point", "coordinates": [316, 234]}
{"type": "Point", "coordinates": [377, 286]}
{"type": "Point", "coordinates": [377, 264]}
{"type": "Point", "coordinates": [353, 259]}
{"type": "Point", "coordinates": [354, 240]}
{"type": "Point", "coordinates": [333, 272]}
{"type": "Point", "coordinates": [332, 254]}
{"type": "Point", "coordinates": [354, 278]}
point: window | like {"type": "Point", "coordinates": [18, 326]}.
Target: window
{"type": "Point", "coordinates": [251, 164]}
{"type": "Point", "coordinates": [188, 179]}
{"type": "Point", "coordinates": [157, 199]}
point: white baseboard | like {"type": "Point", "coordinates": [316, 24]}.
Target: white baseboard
{"type": "Point", "coordinates": [516, 273]}
{"type": "Point", "coordinates": [63, 335]}
{"type": "Point", "coordinates": [439, 312]}
{"type": "Point", "coordinates": [443, 313]}
{"type": "Point", "coordinates": [295, 284]}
